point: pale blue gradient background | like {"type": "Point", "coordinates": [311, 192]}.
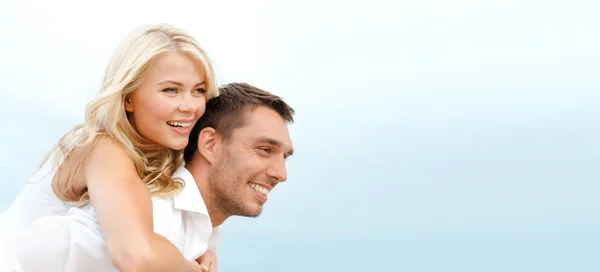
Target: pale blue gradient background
{"type": "Point", "coordinates": [430, 136]}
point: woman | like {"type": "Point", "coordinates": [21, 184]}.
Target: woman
{"type": "Point", "coordinates": [154, 90]}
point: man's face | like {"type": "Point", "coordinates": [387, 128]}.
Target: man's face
{"type": "Point", "coordinates": [251, 163]}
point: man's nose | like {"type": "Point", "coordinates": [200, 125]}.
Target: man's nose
{"type": "Point", "coordinates": [278, 170]}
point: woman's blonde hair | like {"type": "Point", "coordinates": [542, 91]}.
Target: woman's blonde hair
{"type": "Point", "coordinates": [106, 116]}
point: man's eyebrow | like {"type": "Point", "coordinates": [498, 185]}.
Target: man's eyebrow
{"type": "Point", "coordinates": [268, 140]}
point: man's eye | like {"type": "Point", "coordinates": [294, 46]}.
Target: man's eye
{"type": "Point", "coordinates": [266, 150]}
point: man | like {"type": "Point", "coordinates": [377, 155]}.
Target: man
{"type": "Point", "coordinates": [236, 155]}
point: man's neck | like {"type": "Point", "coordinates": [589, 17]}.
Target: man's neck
{"type": "Point", "coordinates": [198, 171]}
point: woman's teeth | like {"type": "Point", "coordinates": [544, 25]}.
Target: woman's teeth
{"type": "Point", "coordinates": [179, 124]}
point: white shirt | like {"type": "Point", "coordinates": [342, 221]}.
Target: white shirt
{"type": "Point", "coordinates": [36, 199]}
{"type": "Point", "coordinates": [74, 242]}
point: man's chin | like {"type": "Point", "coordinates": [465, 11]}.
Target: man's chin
{"type": "Point", "coordinates": [252, 210]}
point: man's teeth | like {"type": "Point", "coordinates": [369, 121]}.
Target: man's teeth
{"type": "Point", "coordinates": [259, 189]}
{"type": "Point", "coordinates": [179, 124]}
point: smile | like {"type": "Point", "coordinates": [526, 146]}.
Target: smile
{"type": "Point", "coordinates": [259, 189]}
{"type": "Point", "coordinates": [179, 124]}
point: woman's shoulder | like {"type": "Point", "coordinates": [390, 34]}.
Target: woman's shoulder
{"type": "Point", "coordinates": [108, 154]}
{"type": "Point", "coordinates": [108, 147]}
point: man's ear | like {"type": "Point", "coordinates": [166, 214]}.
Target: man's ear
{"type": "Point", "coordinates": [208, 144]}
{"type": "Point", "coordinates": [128, 104]}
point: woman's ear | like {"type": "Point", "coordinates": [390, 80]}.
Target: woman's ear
{"type": "Point", "coordinates": [208, 144]}
{"type": "Point", "coordinates": [128, 104]}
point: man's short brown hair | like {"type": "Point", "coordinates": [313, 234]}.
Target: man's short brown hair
{"type": "Point", "coordinates": [226, 112]}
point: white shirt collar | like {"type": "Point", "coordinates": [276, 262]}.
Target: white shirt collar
{"type": "Point", "coordinates": [189, 198]}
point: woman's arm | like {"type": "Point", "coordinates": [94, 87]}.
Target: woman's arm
{"type": "Point", "coordinates": [123, 207]}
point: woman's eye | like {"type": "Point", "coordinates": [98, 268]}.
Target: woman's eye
{"type": "Point", "coordinates": [170, 90]}
{"type": "Point", "coordinates": [201, 90]}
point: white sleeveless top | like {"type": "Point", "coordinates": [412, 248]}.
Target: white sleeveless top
{"type": "Point", "coordinates": [36, 199]}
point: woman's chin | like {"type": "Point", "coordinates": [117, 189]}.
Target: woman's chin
{"type": "Point", "coordinates": [176, 145]}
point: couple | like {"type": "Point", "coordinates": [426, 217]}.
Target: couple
{"type": "Point", "coordinates": [163, 158]}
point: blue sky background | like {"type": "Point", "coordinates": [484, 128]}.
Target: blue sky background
{"type": "Point", "coordinates": [430, 135]}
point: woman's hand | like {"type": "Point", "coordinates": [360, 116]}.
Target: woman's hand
{"type": "Point", "coordinates": [208, 261]}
